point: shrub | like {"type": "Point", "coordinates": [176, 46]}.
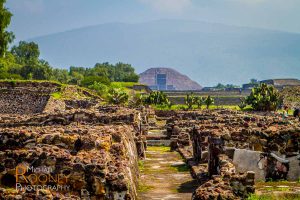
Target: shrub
{"type": "Point", "coordinates": [199, 101]}
{"type": "Point", "coordinates": [90, 80]}
{"type": "Point", "coordinates": [243, 104]}
{"type": "Point", "coordinates": [190, 100]}
{"type": "Point", "coordinates": [117, 97]}
{"type": "Point", "coordinates": [264, 98]}
{"type": "Point", "coordinates": [100, 88]}
{"type": "Point", "coordinates": [156, 98]}
{"type": "Point", "coordinates": [209, 101]}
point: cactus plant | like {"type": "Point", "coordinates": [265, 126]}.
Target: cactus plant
{"type": "Point", "coordinates": [190, 100]}
{"type": "Point", "coordinates": [264, 98]}
{"type": "Point", "coordinates": [156, 98]}
{"type": "Point", "coordinates": [117, 97]}
{"type": "Point", "coordinates": [243, 104]}
{"type": "Point", "coordinates": [209, 101]}
{"type": "Point", "coordinates": [199, 101]}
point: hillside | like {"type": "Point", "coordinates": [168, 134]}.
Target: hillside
{"type": "Point", "coordinates": [206, 52]}
{"type": "Point", "coordinates": [178, 80]}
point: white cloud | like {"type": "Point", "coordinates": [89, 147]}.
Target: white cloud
{"type": "Point", "coordinates": [172, 6]}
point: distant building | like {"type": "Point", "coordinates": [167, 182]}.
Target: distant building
{"type": "Point", "coordinates": [167, 79]}
{"type": "Point", "coordinates": [161, 83]}
{"type": "Point", "coordinates": [249, 86]}
{"type": "Point", "coordinates": [171, 87]}
{"type": "Point", "coordinates": [281, 83]}
{"type": "Point", "coordinates": [208, 89]}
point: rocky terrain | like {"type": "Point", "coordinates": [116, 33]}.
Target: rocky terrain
{"type": "Point", "coordinates": [228, 150]}
{"type": "Point", "coordinates": [291, 96]}
{"type": "Point", "coordinates": [79, 150]}
{"type": "Point", "coordinates": [61, 142]}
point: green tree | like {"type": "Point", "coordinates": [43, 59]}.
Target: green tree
{"type": "Point", "coordinates": [38, 71]}
{"type": "Point", "coordinates": [76, 78]}
{"type": "Point", "coordinates": [26, 53]}
{"type": "Point", "coordinates": [5, 37]}
{"type": "Point", "coordinates": [60, 75]}
{"type": "Point", "coordinates": [125, 72]}
{"type": "Point", "coordinates": [209, 101]}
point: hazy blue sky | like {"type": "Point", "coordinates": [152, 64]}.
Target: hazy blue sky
{"type": "Point", "coordinates": [40, 17]}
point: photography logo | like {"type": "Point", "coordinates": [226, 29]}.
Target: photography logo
{"type": "Point", "coordinates": [30, 178]}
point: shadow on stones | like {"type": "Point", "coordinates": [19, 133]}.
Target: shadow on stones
{"type": "Point", "coordinates": [188, 187]}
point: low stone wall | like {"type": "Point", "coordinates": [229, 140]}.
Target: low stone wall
{"type": "Point", "coordinates": [262, 145]}
{"type": "Point", "coordinates": [97, 162]}
{"type": "Point", "coordinates": [219, 101]}
{"type": "Point", "coordinates": [88, 152]}
{"type": "Point", "coordinates": [82, 104]}
{"type": "Point", "coordinates": [25, 97]}
{"type": "Point", "coordinates": [18, 101]}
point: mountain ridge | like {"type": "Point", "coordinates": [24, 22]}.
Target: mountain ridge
{"type": "Point", "coordinates": [207, 52]}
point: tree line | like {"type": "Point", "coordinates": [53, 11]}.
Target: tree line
{"type": "Point", "coordinates": [23, 62]}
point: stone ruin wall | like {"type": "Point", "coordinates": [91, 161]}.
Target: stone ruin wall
{"type": "Point", "coordinates": [210, 140]}
{"type": "Point", "coordinates": [99, 153]}
{"type": "Point", "coordinates": [21, 102]}
{"type": "Point", "coordinates": [97, 148]}
{"type": "Point", "coordinates": [30, 98]}
{"type": "Point", "coordinates": [25, 97]}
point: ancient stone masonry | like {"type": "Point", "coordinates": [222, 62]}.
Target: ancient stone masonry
{"type": "Point", "coordinates": [85, 152]}
{"type": "Point", "coordinates": [27, 98]}
{"type": "Point", "coordinates": [99, 159]}
{"type": "Point", "coordinates": [225, 138]}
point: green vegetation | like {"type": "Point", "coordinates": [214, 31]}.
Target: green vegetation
{"type": "Point", "coordinates": [212, 107]}
{"type": "Point", "coordinates": [5, 37]}
{"type": "Point", "coordinates": [243, 104]}
{"type": "Point", "coordinates": [143, 187]}
{"type": "Point", "coordinates": [199, 101]}
{"type": "Point", "coordinates": [23, 63]}
{"type": "Point", "coordinates": [209, 101]}
{"type": "Point", "coordinates": [189, 101]}
{"type": "Point", "coordinates": [156, 98]}
{"type": "Point", "coordinates": [141, 164]}
{"type": "Point", "coordinates": [57, 95]}
{"type": "Point", "coordinates": [274, 197]}
{"type": "Point", "coordinates": [117, 96]}
{"type": "Point", "coordinates": [264, 98]}
{"type": "Point", "coordinates": [181, 168]}
{"type": "Point", "coordinates": [158, 148]}
{"type": "Point", "coordinates": [227, 86]}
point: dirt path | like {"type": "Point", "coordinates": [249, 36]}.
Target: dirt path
{"type": "Point", "coordinates": [164, 176]}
